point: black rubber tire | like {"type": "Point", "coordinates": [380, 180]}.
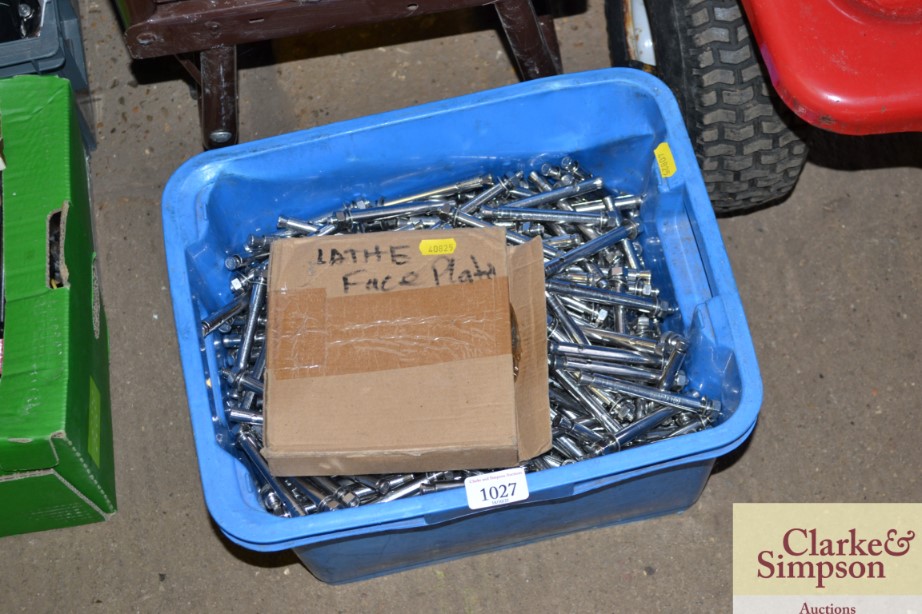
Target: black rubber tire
{"type": "Point", "coordinates": [748, 154]}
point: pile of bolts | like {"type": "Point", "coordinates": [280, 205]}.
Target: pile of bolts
{"type": "Point", "coordinates": [616, 376]}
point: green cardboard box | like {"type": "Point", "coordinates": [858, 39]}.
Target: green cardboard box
{"type": "Point", "coordinates": [56, 461]}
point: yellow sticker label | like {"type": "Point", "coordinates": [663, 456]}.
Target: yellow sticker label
{"type": "Point", "coordinates": [665, 160]}
{"type": "Point", "coordinates": [437, 247]}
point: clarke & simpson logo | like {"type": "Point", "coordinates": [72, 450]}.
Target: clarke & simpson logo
{"type": "Point", "coordinates": [846, 557]}
{"type": "Point", "coordinates": [841, 558]}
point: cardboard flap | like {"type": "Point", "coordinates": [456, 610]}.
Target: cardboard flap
{"type": "Point", "coordinates": [357, 304]}
{"type": "Point", "coordinates": [383, 263]}
{"type": "Point", "coordinates": [424, 408]}
{"type": "Point", "coordinates": [24, 454]}
{"type": "Point", "coordinates": [529, 323]}
{"type": "Point", "coordinates": [346, 461]}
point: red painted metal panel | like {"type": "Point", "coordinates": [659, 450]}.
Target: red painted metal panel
{"type": "Point", "coordinates": [849, 66]}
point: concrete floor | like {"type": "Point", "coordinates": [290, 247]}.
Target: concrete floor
{"type": "Point", "coordinates": [830, 280]}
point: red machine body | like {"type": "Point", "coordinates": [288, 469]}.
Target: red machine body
{"type": "Point", "coordinates": [849, 66]}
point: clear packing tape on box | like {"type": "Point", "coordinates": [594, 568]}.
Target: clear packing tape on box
{"type": "Point", "coordinates": [405, 352]}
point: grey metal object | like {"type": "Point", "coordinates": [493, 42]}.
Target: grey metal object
{"type": "Point", "coordinates": [500, 187]}
{"type": "Point", "coordinates": [455, 216]}
{"type": "Point", "coordinates": [298, 226]}
{"type": "Point", "coordinates": [562, 241]}
{"type": "Point", "coordinates": [591, 248]}
{"type": "Point", "coordinates": [606, 354]}
{"type": "Point", "coordinates": [243, 416]}
{"type": "Point", "coordinates": [222, 315]}
{"type": "Point", "coordinates": [257, 299]}
{"type": "Point", "coordinates": [447, 190]}
{"type": "Point", "coordinates": [412, 488]}
{"type": "Point", "coordinates": [250, 444]}
{"type": "Point", "coordinates": [593, 406]}
{"type": "Point", "coordinates": [671, 399]}
{"type": "Point", "coordinates": [615, 365]}
{"type": "Point", "coordinates": [611, 369]}
{"type": "Point", "coordinates": [545, 198]}
{"type": "Point", "coordinates": [638, 428]}
{"type": "Point", "coordinates": [604, 296]}
{"type": "Point", "coordinates": [563, 317]}
{"type": "Point", "coordinates": [600, 219]}
{"type": "Point", "coordinates": [387, 211]}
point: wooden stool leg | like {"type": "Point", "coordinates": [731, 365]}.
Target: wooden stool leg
{"type": "Point", "coordinates": [218, 99]}
{"type": "Point", "coordinates": [546, 23]}
{"type": "Point", "coordinates": [529, 45]}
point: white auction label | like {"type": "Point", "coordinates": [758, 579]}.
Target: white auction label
{"type": "Point", "coordinates": [497, 488]}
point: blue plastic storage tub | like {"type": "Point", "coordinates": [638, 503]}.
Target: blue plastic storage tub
{"type": "Point", "coordinates": [611, 121]}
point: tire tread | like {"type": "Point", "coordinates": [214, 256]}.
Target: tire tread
{"type": "Point", "coordinates": [748, 154]}
{"type": "Point", "coordinates": [753, 158]}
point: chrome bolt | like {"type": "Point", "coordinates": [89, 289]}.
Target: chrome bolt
{"type": "Point", "coordinates": [591, 248]}
{"type": "Point", "coordinates": [605, 354]}
{"type": "Point", "coordinates": [593, 406]}
{"type": "Point", "coordinates": [545, 215]}
{"type": "Point", "coordinates": [500, 187]}
{"type": "Point", "coordinates": [603, 368]}
{"type": "Point", "coordinates": [638, 428]}
{"type": "Point", "coordinates": [611, 297]}
{"type": "Point", "coordinates": [220, 317]}
{"type": "Point", "coordinates": [411, 488]}
{"type": "Point", "coordinates": [349, 216]}
{"type": "Point", "coordinates": [565, 320]}
{"type": "Point", "coordinates": [248, 443]}
{"type": "Point", "coordinates": [297, 226]}
{"type": "Point", "coordinates": [257, 299]}
{"type": "Point", "coordinates": [447, 190]}
{"type": "Point", "coordinates": [679, 401]}
{"type": "Point", "coordinates": [546, 198]}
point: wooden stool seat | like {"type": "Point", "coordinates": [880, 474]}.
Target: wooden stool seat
{"type": "Point", "coordinates": [212, 29]}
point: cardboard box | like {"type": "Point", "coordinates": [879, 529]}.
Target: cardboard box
{"type": "Point", "coordinates": [405, 352]}
{"type": "Point", "coordinates": [56, 461]}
